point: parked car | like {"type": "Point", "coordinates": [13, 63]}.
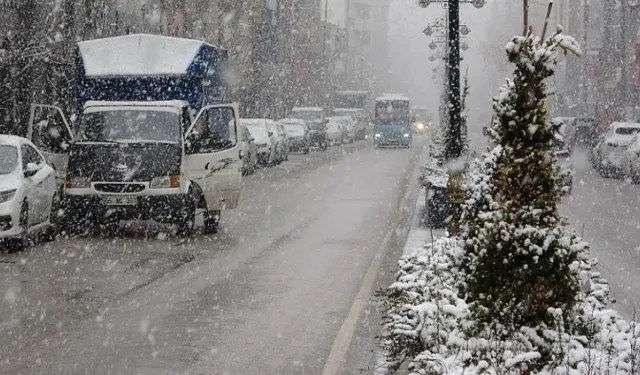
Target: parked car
{"type": "Point", "coordinates": [349, 128]}
{"type": "Point", "coordinates": [335, 132]}
{"type": "Point", "coordinates": [359, 118]}
{"type": "Point", "coordinates": [297, 134]}
{"type": "Point", "coordinates": [608, 153]}
{"type": "Point", "coordinates": [29, 198]}
{"type": "Point", "coordinates": [585, 131]}
{"type": "Point", "coordinates": [282, 143]}
{"type": "Point", "coordinates": [566, 170]}
{"type": "Point", "coordinates": [249, 151]}
{"type": "Point", "coordinates": [264, 139]}
{"type": "Point", "coordinates": [567, 128]}
{"type": "Point", "coordinates": [631, 160]}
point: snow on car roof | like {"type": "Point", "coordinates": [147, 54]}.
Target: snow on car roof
{"type": "Point", "coordinates": [138, 55]}
{"type": "Point", "coordinates": [616, 125]}
{"type": "Point", "coordinates": [352, 92]}
{"type": "Point", "coordinates": [12, 140]}
{"type": "Point", "coordinates": [300, 109]}
{"type": "Point", "coordinates": [253, 121]}
{"type": "Point", "coordinates": [350, 110]}
{"type": "Point", "coordinates": [291, 121]}
{"type": "Point", "coordinates": [392, 97]}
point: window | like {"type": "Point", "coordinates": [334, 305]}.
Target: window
{"type": "Point", "coordinates": [30, 155]}
{"type": "Point", "coordinates": [217, 129]}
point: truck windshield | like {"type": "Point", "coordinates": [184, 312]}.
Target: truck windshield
{"type": "Point", "coordinates": [126, 125]}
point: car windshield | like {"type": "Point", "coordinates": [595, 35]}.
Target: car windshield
{"type": "Point", "coordinates": [8, 159]}
{"type": "Point", "coordinates": [333, 126]}
{"type": "Point", "coordinates": [130, 125]}
{"type": "Point", "coordinates": [257, 131]}
{"type": "Point", "coordinates": [293, 129]}
{"type": "Point", "coordinates": [307, 115]}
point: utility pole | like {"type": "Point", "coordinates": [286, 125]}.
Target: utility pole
{"type": "Point", "coordinates": [454, 141]}
{"type": "Point", "coordinates": [525, 15]}
{"type": "Point", "coordinates": [585, 63]}
{"type": "Point", "coordinates": [346, 25]}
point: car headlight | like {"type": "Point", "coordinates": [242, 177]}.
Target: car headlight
{"type": "Point", "coordinates": [406, 135]}
{"type": "Point", "coordinates": [77, 182]}
{"type": "Point", "coordinates": [378, 135]}
{"type": "Point", "coordinates": [7, 195]}
{"type": "Point", "coordinates": [165, 182]}
{"type": "Point", "coordinates": [420, 126]}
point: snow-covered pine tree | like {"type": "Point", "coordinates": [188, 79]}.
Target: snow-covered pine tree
{"type": "Point", "coordinates": [519, 254]}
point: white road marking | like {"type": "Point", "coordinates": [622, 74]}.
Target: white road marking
{"type": "Point", "coordinates": [345, 334]}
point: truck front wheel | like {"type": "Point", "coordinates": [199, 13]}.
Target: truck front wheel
{"type": "Point", "coordinates": [186, 218]}
{"type": "Point", "coordinates": [211, 221]}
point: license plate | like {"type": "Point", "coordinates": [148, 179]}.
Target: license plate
{"type": "Point", "coordinates": [120, 201]}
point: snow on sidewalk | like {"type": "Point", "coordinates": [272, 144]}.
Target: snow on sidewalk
{"type": "Point", "coordinates": [419, 235]}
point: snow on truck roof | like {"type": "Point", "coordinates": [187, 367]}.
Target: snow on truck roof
{"type": "Point", "coordinates": [386, 97]}
{"type": "Point", "coordinates": [138, 55]}
{"type": "Point", "coordinates": [156, 103]}
{"type": "Point", "coordinates": [11, 140]}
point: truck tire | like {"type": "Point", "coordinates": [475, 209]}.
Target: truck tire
{"type": "Point", "coordinates": [211, 221]}
{"type": "Point", "coordinates": [187, 216]}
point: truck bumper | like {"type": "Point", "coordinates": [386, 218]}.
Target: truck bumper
{"type": "Point", "coordinates": [161, 208]}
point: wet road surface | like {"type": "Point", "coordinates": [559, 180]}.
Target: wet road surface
{"type": "Point", "coordinates": [268, 294]}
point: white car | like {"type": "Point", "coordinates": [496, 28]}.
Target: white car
{"type": "Point", "coordinates": [335, 132]}
{"type": "Point", "coordinates": [348, 128]}
{"type": "Point", "coordinates": [282, 142]}
{"type": "Point", "coordinates": [249, 151]}
{"type": "Point", "coordinates": [631, 160]}
{"type": "Point", "coordinates": [608, 153]}
{"type": "Point", "coordinates": [264, 139]}
{"type": "Point", "coordinates": [29, 198]}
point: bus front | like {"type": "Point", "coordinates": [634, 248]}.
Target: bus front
{"type": "Point", "coordinates": [392, 123]}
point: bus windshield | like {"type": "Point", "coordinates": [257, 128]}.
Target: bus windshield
{"type": "Point", "coordinates": [392, 112]}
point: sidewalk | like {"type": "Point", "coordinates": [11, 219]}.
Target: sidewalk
{"type": "Point", "coordinates": [418, 236]}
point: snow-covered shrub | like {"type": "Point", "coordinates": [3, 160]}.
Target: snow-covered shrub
{"type": "Point", "coordinates": [520, 257]}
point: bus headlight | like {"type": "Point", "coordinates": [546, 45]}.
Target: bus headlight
{"type": "Point", "coordinates": [377, 135]}
{"type": "Point", "coordinates": [406, 135]}
{"type": "Point", "coordinates": [420, 126]}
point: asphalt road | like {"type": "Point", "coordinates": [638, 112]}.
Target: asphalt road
{"type": "Point", "coordinates": [284, 288]}
{"type": "Point", "coordinates": [607, 211]}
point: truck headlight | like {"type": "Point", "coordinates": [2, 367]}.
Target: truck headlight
{"type": "Point", "coordinates": [77, 182]}
{"type": "Point", "coordinates": [165, 182]}
{"type": "Point", "coordinates": [7, 195]}
{"type": "Point", "coordinates": [377, 135]}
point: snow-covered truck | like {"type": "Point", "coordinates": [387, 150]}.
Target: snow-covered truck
{"type": "Point", "coordinates": [153, 137]}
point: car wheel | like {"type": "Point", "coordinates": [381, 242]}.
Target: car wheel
{"type": "Point", "coordinates": [21, 242]}
{"type": "Point", "coordinates": [187, 216]}
{"type": "Point", "coordinates": [211, 221]}
{"type": "Point", "coordinates": [52, 231]}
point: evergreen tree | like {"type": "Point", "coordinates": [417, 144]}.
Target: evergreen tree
{"type": "Point", "coordinates": [520, 258]}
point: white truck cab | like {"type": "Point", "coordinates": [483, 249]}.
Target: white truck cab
{"type": "Point", "coordinates": [143, 159]}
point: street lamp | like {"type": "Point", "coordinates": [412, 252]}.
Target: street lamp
{"type": "Point", "coordinates": [464, 30]}
{"type": "Point", "coordinates": [432, 58]}
{"type": "Point", "coordinates": [464, 46]}
{"type": "Point", "coordinates": [454, 137]}
{"type": "Point", "coordinates": [433, 45]}
{"type": "Point", "coordinates": [428, 31]}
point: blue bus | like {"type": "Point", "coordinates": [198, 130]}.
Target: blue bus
{"type": "Point", "coordinates": [392, 121]}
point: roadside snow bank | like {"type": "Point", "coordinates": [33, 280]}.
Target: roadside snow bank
{"type": "Point", "coordinates": [428, 324]}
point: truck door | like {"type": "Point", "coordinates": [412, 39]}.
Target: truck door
{"type": "Point", "coordinates": [50, 132]}
{"type": "Point", "coordinates": [213, 149]}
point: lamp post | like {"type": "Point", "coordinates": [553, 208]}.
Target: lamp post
{"type": "Point", "coordinates": [454, 135]}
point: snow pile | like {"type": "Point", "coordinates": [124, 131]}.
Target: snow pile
{"type": "Point", "coordinates": [428, 325]}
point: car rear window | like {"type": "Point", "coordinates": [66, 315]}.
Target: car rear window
{"type": "Point", "coordinates": [627, 131]}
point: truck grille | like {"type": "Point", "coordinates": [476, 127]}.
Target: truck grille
{"type": "Point", "coordinates": [119, 188]}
